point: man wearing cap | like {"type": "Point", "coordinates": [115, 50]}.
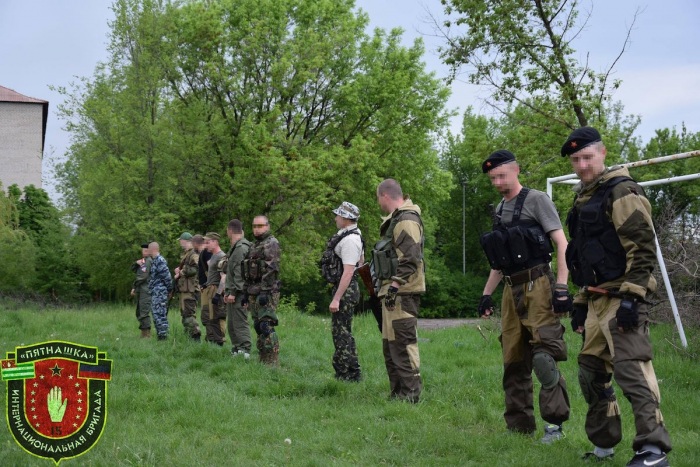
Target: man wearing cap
{"type": "Point", "coordinates": [186, 280]}
{"type": "Point", "coordinates": [611, 256]}
{"type": "Point", "coordinates": [213, 307]}
{"type": "Point", "coordinates": [160, 284]}
{"type": "Point", "coordinates": [236, 315]}
{"type": "Point", "coordinates": [261, 269]}
{"type": "Point", "coordinates": [142, 268]}
{"type": "Point", "coordinates": [398, 266]}
{"type": "Point", "coordinates": [532, 338]}
{"type": "Point", "coordinates": [344, 253]}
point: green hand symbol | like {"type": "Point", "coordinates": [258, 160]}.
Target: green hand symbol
{"type": "Point", "coordinates": [56, 409]}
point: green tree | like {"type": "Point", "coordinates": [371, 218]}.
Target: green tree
{"type": "Point", "coordinates": [16, 249]}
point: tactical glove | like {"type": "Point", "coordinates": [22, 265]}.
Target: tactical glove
{"type": "Point", "coordinates": [578, 316]}
{"type": "Point", "coordinates": [244, 299]}
{"type": "Point", "coordinates": [263, 299]}
{"type": "Point", "coordinates": [561, 306]}
{"type": "Point", "coordinates": [627, 315]}
{"type": "Point", "coordinates": [390, 299]}
{"type": "Point", "coordinates": [486, 305]}
{"type": "Point", "coordinates": [216, 299]}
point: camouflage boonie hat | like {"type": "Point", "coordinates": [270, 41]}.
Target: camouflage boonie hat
{"type": "Point", "coordinates": [212, 236]}
{"type": "Point", "coordinates": [348, 211]}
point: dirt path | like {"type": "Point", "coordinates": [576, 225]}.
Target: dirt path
{"type": "Point", "coordinates": [447, 323]}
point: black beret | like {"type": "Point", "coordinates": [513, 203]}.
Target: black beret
{"type": "Point", "coordinates": [499, 157]}
{"type": "Point", "coordinates": [579, 139]}
{"type": "Point", "coordinates": [144, 245]}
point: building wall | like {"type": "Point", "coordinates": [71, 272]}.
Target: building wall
{"type": "Point", "coordinates": [20, 144]}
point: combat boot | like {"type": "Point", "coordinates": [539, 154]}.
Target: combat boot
{"type": "Point", "coordinates": [145, 333]}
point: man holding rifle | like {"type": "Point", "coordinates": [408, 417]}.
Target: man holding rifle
{"type": "Point", "coordinates": [344, 252]}
{"type": "Point", "coordinates": [611, 255]}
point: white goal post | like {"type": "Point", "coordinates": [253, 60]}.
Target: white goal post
{"type": "Point", "coordinates": [572, 179]}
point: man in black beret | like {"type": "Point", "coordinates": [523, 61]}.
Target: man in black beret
{"type": "Point", "coordinates": [142, 268]}
{"type": "Point", "coordinates": [519, 251]}
{"type": "Point", "coordinates": [611, 256]}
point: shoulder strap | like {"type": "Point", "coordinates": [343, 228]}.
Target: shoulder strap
{"type": "Point", "coordinates": [520, 200]}
{"type": "Point", "coordinates": [343, 235]}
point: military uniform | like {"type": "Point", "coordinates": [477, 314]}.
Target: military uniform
{"type": "Point", "coordinates": [188, 288]}
{"type": "Point", "coordinates": [213, 307]}
{"type": "Point", "coordinates": [142, 295]}
{"type": "Point", "coordinates": [160, 284]}
{"type": "Point", "coordinates": [402, 245]}
{"type": "Point", "coordinates": [236, 314]}
{"type": "Point", "coordinates": [262, 285]}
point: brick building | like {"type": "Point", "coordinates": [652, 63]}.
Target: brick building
{"type": "Point", "coordinates": [22, 134]}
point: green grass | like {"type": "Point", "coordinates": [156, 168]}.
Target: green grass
{"type": "Point", "coordinates": [180, 403]}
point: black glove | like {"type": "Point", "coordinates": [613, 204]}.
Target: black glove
{"type": "Point", "coordinates": [390, 299]}
{"type": "Point", "coordinates": [627, 315]}
{"type": "Point", "coordinates": [578, 315]}
{"type": "Point", "coordinates": [486, 305]}
{"type": "Point", "coordinates": [561, 306]}
{"type": "Point", "coordinates": [263, 299]}
{"type": "Point", "coordinates": [244, 299]}
{"type": "Point", "coordinates": [216, 299]}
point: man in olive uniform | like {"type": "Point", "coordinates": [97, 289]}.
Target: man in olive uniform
{"type": "Point", "coordinates": [187, 287]}
{"type": "Point", "coordinates": [213, 307]}
{"type": "Point", "coordinates": [261, 272]}
{"type": "Point", "coordinates": [398, 265]}
{"type": "Point", "coordinates": [611, 256]}
{"type": "Point", "coordinates": [236, 315]}
{"type": "Point", "coordinates": [344, 253]}
{"type": "Point", "coordinates": [160, 284]}
{"type": "Point", "coordinates": [142, 268]}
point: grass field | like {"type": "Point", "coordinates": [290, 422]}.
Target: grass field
{"type": "Point", "coordinates": [187, 404]}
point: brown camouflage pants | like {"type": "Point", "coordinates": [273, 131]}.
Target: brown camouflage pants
{"type": "Point", "coordinates": [627, 356]}
{"type": "Point", "coordinates": [345, 362]}
{"type": "Point", "coordinates": [188, 312]}
{"type": "Point", "coordinates": [530, 326]}
{"type": "Point", "coordinates": [400, 346]}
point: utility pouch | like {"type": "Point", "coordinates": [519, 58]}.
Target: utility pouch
{"type": "Point", "coordinates": [517, 242]}
{"type": "Point", "coordinates": [495, 248]}
{"type": "Point", "coordinates": [384, 259]}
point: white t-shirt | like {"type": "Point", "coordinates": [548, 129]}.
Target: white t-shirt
{"type": "Point", "coordinates": [349, 249]}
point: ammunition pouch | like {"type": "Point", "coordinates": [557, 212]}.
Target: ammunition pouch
{"type": "Point", "coordinates": [515, 248]}
{"type": "Point", "coordinates": [384, 259]}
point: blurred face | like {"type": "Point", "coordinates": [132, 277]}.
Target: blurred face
{"type": "Point", "coordinates": [185, 244]}
{"type": "Point", "coordinates": [384, 202]}
{"type": "Point", "coordinates": [210, 244]}
{"type": "Point", "coordinates": [589, 162]}
{"type": "Point", "coordinates": [260, 226]}
{"type": "Point", "coordinates": [505, 178]}
{"type": "Point", "coordinates": [342, 222]}
{"type": "Point", "coordinates": [145, 252]}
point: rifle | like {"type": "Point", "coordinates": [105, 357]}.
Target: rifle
{"type": "Point", "coordinates": [365, 273]}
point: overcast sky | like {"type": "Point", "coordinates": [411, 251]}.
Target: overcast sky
{"type": "Point", "coordinates": [51, 42]}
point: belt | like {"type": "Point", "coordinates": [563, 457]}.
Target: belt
{"type": "Point", "coordinates": [526, 276]}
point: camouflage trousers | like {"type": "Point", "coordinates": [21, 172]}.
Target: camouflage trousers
{"type": "Point", "coordinates": [528, 327]}
{"type": "Point", "coordinates": [159, 308]}
{"type": "Point", "coordinates": [188, 312]}
{"type": "Point", "coordinates": [400, 346]}
{"type": "Point", "coordinates": [345, 362]}
{"type": "Point", "coordinates": [264, 322]}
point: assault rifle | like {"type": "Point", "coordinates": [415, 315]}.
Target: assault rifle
{"type": "Point", "coordinates": [365, 272]}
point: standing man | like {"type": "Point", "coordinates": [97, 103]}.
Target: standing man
{"type": "Point", "coordinates": [142, 268]}
{"type": "Point", "coordinates": [611, 256]}
{"type": "Point", "coordinates": [399, 268]}
{"type": "Point", "coordinates": [344, 253]}
{"type": "Point", "coordinates": [160, 284]}
{"type": "Point", "coordinates": [187, 287]}
{"type": "Point", "coordinates": [261, 270]}
{"type": "Point", "coordinates": [213, 309]}
{"type": "Point", "coordinates": [236, 315]}
{"type": "Point", "coordinates": [519, 251]}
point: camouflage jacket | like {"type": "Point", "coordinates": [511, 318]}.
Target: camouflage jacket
{"type": "Point", "coordinates": [160, 277]}
{"type": "Point", "coordinates": [630, 213]}
{"type": "Point", "coordinates": [234, 271]}
{"type": "Point", "coordinates": [261, 266]}
{"type": "Point", "coordinates": [187, 282]}
{"type": "Point", "coordinates": [408, 240]}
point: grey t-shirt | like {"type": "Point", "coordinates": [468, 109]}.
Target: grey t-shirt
{"type": "Point", "coordinates": [537, 207]}
{"type": "Point", "coordinates": [213, 275]}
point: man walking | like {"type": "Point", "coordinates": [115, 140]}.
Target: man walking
{"type": "Point", "coordinates": [262, 286]}
{"type": "Point", "coordinates": [142, 268]}
{"type": "Point", "coordinates": [399, 268]}
{"type": "Point", "coordinates": [344, 252]}
{"type": "Point", "coordinates": [236, 315]}
{"type": "Point", "coordinates": [611, 257]}
{"type": "Point", "coordinates": [532, 337]}
{"type": "Point", "coordinates": [187, 287]}
{"type": "Point", "coordinates": [160, 284]}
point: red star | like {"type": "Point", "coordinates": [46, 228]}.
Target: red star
{"type": "Point", "coordinates": [488, 164]}
{"type": "Point", "coordinates": [573, 144]}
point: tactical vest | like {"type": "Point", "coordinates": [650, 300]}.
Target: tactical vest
{"type": "Point", "coordinates": [385, 260]}
{"type": "Point", "coordinates": [331, 265]}
{"type": "Point", "coordinates": [184, 283]}
{"type": "Point", "coordinates": [518, 246]}
{"type": "Point", "coordinates": [594, 254]}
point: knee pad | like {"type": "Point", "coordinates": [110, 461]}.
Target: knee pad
{"type": "Point", "coordinates": [546, 370]}
{"type": "Point", "coordinates": [595, 386]}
